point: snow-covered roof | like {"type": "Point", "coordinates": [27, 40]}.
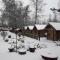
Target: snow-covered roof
{"type": "Point", "coordinates": [25, 27]}
{"type": "Point", "coordinates": [56, 25]}
{"type": "Point", "coordinates": [30, 27]}
{"type": "Point", "coordinates": [18, 29]}
{"type": "Point", "coordinates": [40, 27]}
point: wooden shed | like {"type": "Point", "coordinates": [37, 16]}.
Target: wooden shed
{"type": "Point", "coordinates": [53, 31]}
{"type": "Point", "coordinates": [28, 30]}
{"type": "Point", "coordinates": [39, 31]}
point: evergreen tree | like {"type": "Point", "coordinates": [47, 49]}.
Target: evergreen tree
{"type": "Point", "coordinates": [15, 14]}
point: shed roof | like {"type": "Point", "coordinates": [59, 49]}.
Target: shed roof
{"type": "Point", "coordinates": [31, 27]}
{"type": "Point", "coordinates": [25, 27]}
{"type": "Point", "coordinates": [40, 27]}
{"type": "Point", "coordinates": [56, 25]}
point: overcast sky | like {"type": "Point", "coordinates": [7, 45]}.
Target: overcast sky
{"type": "Point", "coordinates": [50, 4]}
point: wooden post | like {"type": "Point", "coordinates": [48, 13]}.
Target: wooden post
{"type": "Point", "coordinates": [39, 35]}
{"type": "Point", "coordinates": [23, 27]}
{"type": "Point", "coordinates": [16, 42]}
{"type": "Point", "coordinates": [53, 35]}
{"type": "Point", "coordinates": [16, 33]}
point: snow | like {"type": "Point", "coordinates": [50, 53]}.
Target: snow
{"type": "Point", "coordinates": [5, 29]}
{"type": "Point", "coordinates": [13, 36]}
{"type": "Point", "coordinates": [40, 27]}
{"type": "Point", "coordinates": [56, 25]}
{"type": "Point", "coordinates": [25, 27]}
{"type": "Point", "coordinates": [31, 27]}
{"type": "Point", "coordinates": [47, 47]}
{"type": "Point", "coordinates": [49, 55]}
{"type": "Point", "coordinates": [22, 50]}
{"type": "Point", "coordinates": [17, 29]}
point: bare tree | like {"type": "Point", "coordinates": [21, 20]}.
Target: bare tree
{"type": "Point", "coordinates": [38, 5]}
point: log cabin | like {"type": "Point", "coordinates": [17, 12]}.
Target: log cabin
{"type": "Point", "coordinates": [53, 31]}
{"type": "Point", "coordinates": [28, 30]}
{"type": "Point", "coordinates": [35, 31]}
{"type": "Point", "coordinates": [39, 31]}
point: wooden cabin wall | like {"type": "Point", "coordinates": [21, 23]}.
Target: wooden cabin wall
{"type": "Point", "coordinates": [41, 33]}
{"type": "Point", "coordinates": [34, 33]}
{"type": "Point", "coordinates": [51, 33]}
{"type": "Point", "coordinates": [54, 36]}
{"type": "Point", "coordinates": [58, 35]}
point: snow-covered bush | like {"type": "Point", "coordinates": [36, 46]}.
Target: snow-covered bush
{"type": "Point", "coordinates": [57, 43]}
{"type": "Point", "coordinates": [43, 46]}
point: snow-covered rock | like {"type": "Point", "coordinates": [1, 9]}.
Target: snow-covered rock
{"type": "Point", "coordinates": [22, 50]}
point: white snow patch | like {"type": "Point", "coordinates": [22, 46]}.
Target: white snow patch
{"type": "Point", "coordinates": [31, 27]}
{"type": "Point", "coordinates": [56, 25]}
{"type": "Point", "coordinates": [50, 48]}
{"type": "Point", "coordinates": [40, 27]}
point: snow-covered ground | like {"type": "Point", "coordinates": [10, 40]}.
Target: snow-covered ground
{"type": "Point", "coordinates": [46, 46]}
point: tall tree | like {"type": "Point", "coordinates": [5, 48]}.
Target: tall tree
{"type": "Point", "coordinates": [10, 9]}
{"type": "Point", "coordinates": [38, 5]}
{"type": "Point", "coordinates": [26, 15]}
{"type": "Point", "coordinates": [15, 13]}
